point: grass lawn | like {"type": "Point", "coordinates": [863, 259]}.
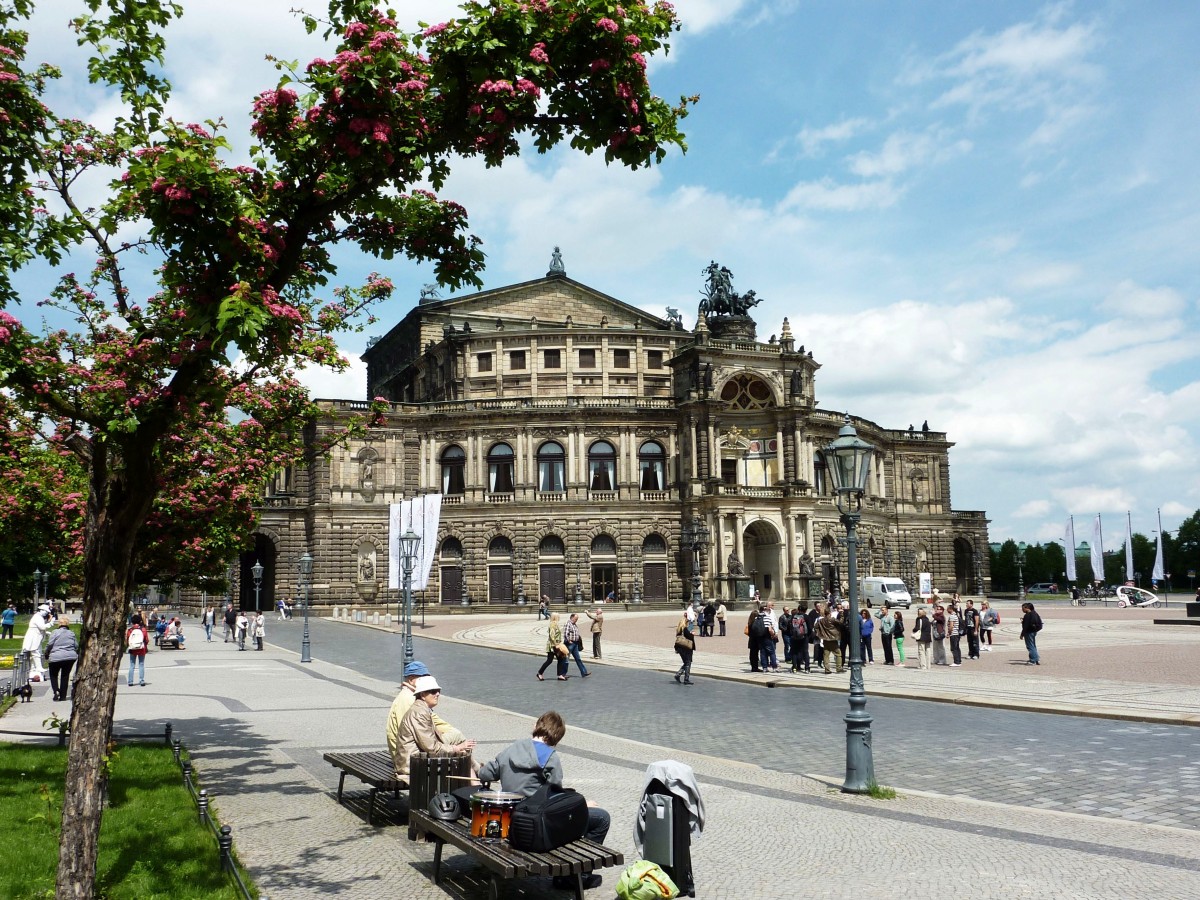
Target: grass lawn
{"type": "Point", "coordinates": [152, 844]}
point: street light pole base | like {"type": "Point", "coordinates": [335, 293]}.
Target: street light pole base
{"type": "Point", "coordinates": [860, 764]}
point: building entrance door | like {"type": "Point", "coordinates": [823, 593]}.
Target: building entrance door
{"type": "Point", "coordinates": [452, 582]}
{"type": "Point", "coordinates": [554, 583]}
{"type": "Point", "coordinates": [654, 575]}
{"type": "Point", "coordinates": [500, 584]}
{"type": "Point", "coordinates": [604, 579]}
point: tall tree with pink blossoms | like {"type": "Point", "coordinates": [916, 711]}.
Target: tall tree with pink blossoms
{"type": "Point", "coordinates": [345, 146]}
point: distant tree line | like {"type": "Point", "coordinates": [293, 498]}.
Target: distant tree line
{"type": "Point", "coordinates": [1048, 562]}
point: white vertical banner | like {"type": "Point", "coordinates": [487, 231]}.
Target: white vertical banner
{"type": "Point", "coordinates": [1158, 574]}
{"type": "Point", "coordinates": [1069, 540]}
{"type": "Point", "coordinates": [1097, 551]}
{"type": "Point", "coordinates": [925, 584]}
{"type": "Point", "coordinates": [1128, 548]}
{"type": "Point", "coordinates": [422, 514]}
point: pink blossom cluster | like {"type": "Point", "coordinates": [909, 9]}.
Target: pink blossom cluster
{"type": "Point", "coordinates": [538, 53]}
{"type": "Point", "coordinates": [608, 25]}
{"type": "Point", "coordinates": [435, 29]}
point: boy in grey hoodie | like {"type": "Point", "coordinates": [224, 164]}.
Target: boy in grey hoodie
{"type": "Point", "coordinates": [528, 763]}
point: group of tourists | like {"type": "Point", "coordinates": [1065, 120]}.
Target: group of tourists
{"type": "Point", "coordinates": [566, 641]}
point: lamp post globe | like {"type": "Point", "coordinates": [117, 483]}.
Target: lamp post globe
{"type": "Point", "coordinates": [409, 542]}
{"type": "Point", "coordinates": [256, 571]}
{"type": "Point", "coordinates": [849, 462]}
{"type": "Point", "coordinates": [306, 567]}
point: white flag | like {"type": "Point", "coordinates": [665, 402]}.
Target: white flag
{"type": "Point", "coordinates": [1128, 548]}
{"type": "Point", "coordinates": [1097, 551]}
{"type": "Point", "coordinates": [422, 514]}
{"type": "Point", "coordinates": [1069, 540]}
{"type": "Point", "coordinates": [1158, 575]}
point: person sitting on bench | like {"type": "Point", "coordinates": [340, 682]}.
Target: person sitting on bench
{"type": "Point", "coordinates": [418, 734]}
{"type": "Point", "coordinates": [403, 703]}
{"type": "Point", "coordinates": [528, 763]}
{"type": "Point", "coordinates": [174, 635]}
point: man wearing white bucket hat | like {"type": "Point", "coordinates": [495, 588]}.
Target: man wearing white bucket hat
{"type": "Point", "coordinates": [35, 634]}
{"type": "Point", "coordinates": [418, 733]}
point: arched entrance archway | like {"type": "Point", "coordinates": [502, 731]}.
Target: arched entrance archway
{"type": "Point", "coordinates": [762, 546]}
{"type": "Point", "coordinates": [264, 553]}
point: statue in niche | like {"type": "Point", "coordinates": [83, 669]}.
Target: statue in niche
{"type": "Point", "coordinates": [366, 569]}
{"type": "Point", "coordinates": [735, 565]}
{"type": "Point", "coordinates": [807, 565]}
{"type": "Point", "coordinates": [797, 383]}
{"type": "Point", "coordinates": [367, 473]}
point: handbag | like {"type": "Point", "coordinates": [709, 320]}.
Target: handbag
{"type": "Point", "coordinates": [684, 641]}
{"type": "Point", "coordinates": [548, 818]}
{"type": "Point", "coordinates": [561, 651]}
{"type": "Point", "coordinates": [746, 631]}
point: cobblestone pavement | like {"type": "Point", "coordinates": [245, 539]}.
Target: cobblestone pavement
{"type": "Point", "coordinates": [256, 725]}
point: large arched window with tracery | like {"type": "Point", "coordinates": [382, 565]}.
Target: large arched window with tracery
{"type": "Point", "coordinates": [747, 391]}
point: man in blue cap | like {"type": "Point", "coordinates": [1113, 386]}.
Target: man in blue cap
{"type": "Point", "coordinates": [403, 703]}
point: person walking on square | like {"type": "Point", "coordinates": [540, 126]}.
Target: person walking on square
{"type": "Point", "coordinates": [242, 625]}
{"type": "Point", "coordinates": [866, 628]}
{"type": "Point", "coordinates": [709, 619]}
{"type": "Point", "coordinates": [800, 638]}
{"type": "Point", "coordinates": [685, 646]}
{"type": "Point", "coordinates": [923, 630]}
{"type": "Point", "coordinates": [898, 636]}
{"type": "Point", "coordinates": [829, 634]}
{"type": "Point", "coordinates": [954, 632]}
{"type": "Point", "coordinates": [230, 619]}
{"type": "Point", "coordinates": [722, 612]}
{"type": "Point", "coordinates": [886, 625]}
{"type": "Point", "coordinates": [1031, 624]}
{"type": "Point", "coordinates": [597, 629]}
{"type": "Point", "coordinates": [987, 622]}
{"type": "Point", "coordinates": [136, 644]}
{"type": "Point", "coordinates": [544, 608]}
{"type": "Point", "coordinates": [260, 630]}
{"type": "Point", "coordinates": [970, 626]}
{"type": "Point", "coordinates": [7, 620]}
{"type": "Point", "coordinates": [554, 637]}
{"type": "Point", "coordinates": [61, 651]}
{"type": "Point", "coordinates": [938, 626]}
{"type": "Point", "coordinates": [574, 641]}
{"type": "Point", "coordinates": [207, 620]}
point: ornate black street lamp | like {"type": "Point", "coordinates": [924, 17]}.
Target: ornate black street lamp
{"type": "Point", "coordinates": [306, 566]}
{"type": "Point", "coordinates": [37, 588]}
{"type": "Point", "coordinates": [1021, 570]}
{"type": "Point", "coordinates": [256, 571]}
{"type": "Point", "coordinates": [694, 537]}
{"type": "Point", "coordinates": [848, 459]}
{"type": "Point", "coordinates": [409, 542]}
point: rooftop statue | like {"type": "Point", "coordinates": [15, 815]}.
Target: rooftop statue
{"type": "Point", "coordinates": [719, 296]}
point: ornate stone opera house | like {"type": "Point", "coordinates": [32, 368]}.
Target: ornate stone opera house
{"type": "Point", "coordinates": [585, 447]}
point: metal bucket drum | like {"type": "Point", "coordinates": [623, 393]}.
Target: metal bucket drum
{"type": "Point", "coordinates": [491, 813]}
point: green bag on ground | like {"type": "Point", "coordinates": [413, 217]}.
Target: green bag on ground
{"type": "Point", "coordinates": [645, 880]}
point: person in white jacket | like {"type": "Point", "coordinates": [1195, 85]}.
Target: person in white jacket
{"type": "Point", "coordinates": [35, 635]}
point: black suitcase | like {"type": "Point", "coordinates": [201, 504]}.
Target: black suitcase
{"type": "Point", "coordinates": [550, 817]}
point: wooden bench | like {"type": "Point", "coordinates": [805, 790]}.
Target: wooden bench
{"type": "Point", "coordinates": [428, 775]}
{"type": "Point", "coordinates": [575, 859]}
{"type": "Point", "coordinates": [375, 767]}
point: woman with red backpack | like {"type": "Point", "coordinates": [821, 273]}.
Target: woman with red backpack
{"type": "Point", "coordinates": [136, 639]}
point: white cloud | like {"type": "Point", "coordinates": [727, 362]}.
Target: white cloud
{"type": "Point", "coordinates": [812, 141]}
{"type": "Point", "coordinates": [1131, 299]}
{"type": "Point", "coordinates": [828, 195]}
{"type": "Point", "coordinates": [327, 384]}
{"type": "Point", "coordinates": [903, 151]}
{"type": "Point", "coordinates": [1050, 275]}
{"type": "Point", "coordinates": [1033, 509]}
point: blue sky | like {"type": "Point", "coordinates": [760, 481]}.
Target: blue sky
{"type": "Point", "coordinates": [980, 214]}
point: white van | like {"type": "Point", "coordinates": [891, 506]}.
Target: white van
{"type": "Point", "coordinates": [892, 591]}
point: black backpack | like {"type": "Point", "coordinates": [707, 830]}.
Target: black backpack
{"type": "Point", "coordinates": [758, 627]}
{"type": "Point", "coordinates": [548, 818]}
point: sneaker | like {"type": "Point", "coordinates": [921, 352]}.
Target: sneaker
{"type": "Point", "coordinates": [677, 681]}
{"type": "Point", "coordinates": [955, 665]}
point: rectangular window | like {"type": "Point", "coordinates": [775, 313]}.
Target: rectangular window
{"type": "Point", "coordinates": [654, 359]}
{"type": "Point", "coordinates": [552, 359]}
{"type": "Point", "coordinates": [587, 359]}
{"type": "Point", "coordinates": [620, 359]}
{"type": "Point", "coordinates": [516, 360]}
{"type": "Point", "coordinates": [484, 362]}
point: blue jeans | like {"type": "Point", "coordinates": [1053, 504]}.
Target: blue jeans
{"type": "Point", "coordinates": [766, 654]}
{"type": "Point", "coordinates": [138, 660]}
{"type": "Point", "coordinates": [575, 647]}
{"type": "Point", "coordinates": [208, 631]}
{"type": "Point", "coordinates": [787, 647]}
{"type": "Point", "coordinates": [1031, 646]}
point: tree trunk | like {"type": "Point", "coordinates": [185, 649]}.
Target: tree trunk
{"type": "Point", "coordinates": [117, 507]}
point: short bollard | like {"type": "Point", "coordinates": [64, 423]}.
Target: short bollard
{"type": "Point", "coordinates": [168, 731]}
{"type": "Point", "coordinates": [202, 803]}
{"type": "Point", "coordinates": [176, 747]}
{"type": "Point", "coordinates": [225, 842]}
{"type": "Point", "coordinates": [187, 774]}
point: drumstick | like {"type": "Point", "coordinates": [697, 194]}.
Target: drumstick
{"type": "Point", "coordinates": [461, 777]}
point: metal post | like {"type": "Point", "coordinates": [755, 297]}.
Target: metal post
{"type": "Point", "coordinates": [202, 802]}
{"type": "Point", "coordinates": [1021, 571]}
{"type": "Point", "coordinates": [408, 644]}
{"type": "Point", "coordinates": [306, 562]}
{"type": "Point", "coordinates": [167, 729]}
{"type": "Point", "coordinates": [225, 843]}
{"type": "Point", "coordinates": [860, 765]}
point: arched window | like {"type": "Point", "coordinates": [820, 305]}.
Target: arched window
{"type": "Point", "coordinates": [454, 463]}
{"type": "Point", "coordinates": [500, 548]}
{"type": "Point", "coordinates": [604, 545]}
{"type": "Point", "coordinates": [500, 469]}
{"type": "Point", "coordinates": [452, 550]}
{"type": "Point", "coordinates": [747, 392]}
{"type": "Point", "coordinates": [602, 464]}
{"type": "Point", "coordinates": [551, 462]}
{"type": "Point", "coordinates": [551, 545]}
{"type": "Point", "coordinates": [654, 545]}
{"type": "Point", "coordinates": [652, 463]}
{"type": "Point", "coordinates": [820, 475]}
